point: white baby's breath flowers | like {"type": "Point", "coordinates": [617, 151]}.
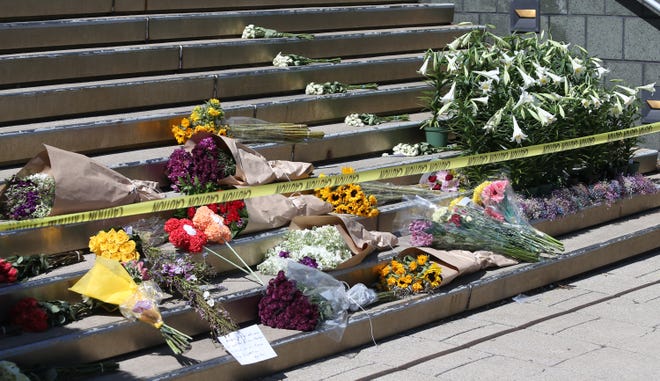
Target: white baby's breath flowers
{"type": "Point", "coordinates": [406, 149]}
{"type": "Point", "coordinates": [314, 89]}
{"type": "Point", "coordinates": [282, 60]}
{"type": "Point", "coordinates": [353, 120]}
{"type": "Point", "coordinates": [249, 32]}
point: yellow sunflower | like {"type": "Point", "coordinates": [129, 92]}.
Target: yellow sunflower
{"type": "Point", "coordinates": [476, 194]}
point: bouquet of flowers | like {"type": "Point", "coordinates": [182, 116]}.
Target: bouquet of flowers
{"type": "Point", "coordinates": [200, 170]}
{"type": "Point", "coordinates": [444, 181]}
{"type": "Point", "coordinates": [210, 118]}
{"type": "Point", "coordinates": [289, 59]}
{"type": "Point", "coordinates": [424, 269]}
{"type": "Point", "coordinates": [187, 279]}
{"type": "Point", "coordinates": [490, 221]}
{"type": "Point", "coordinates": [109, 282]}
{"type": "Point", "coordinates": [321, 247]}
{"type": "Point", "coordinates": [417, 149]}
{"type": "Point", "coordinates": [570, 200]}
{"type": "Point", "coordinates": [17, 268]}
{"type": "Point", "coordinates": [335, 87]}
{"type": "Point", "coordinates": [349, 198]}
{"type": "Point", "coordinates": [114, 244]}
{"type": "Point", "coordinates": [410, 275]}
{"type": "Point", "coordinates": [205, 226]}
{"type": "Point", "coordinates": [251, 31]}
{"type": "Point", "coordinates": [361, 120]}
{"type": "Point", "coordinates": [32, 315]}
{"type": "Point", "coordinates": [233, 213]}
{"type": "Point", "coordinates": [29, 197]}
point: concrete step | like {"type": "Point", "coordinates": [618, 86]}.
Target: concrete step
{"type": "Point", "coordinates": [585, 250]}
{"type": "Point", "coordinates": [149, 129]}
{"type": "Point", "coordinates": [37, 9]}
{"type": "Point", "coordinates": [79, 65]}
{"type": "Point", "coordinates": [131, 29]}
{"type": "Point", "coordinates": [142, 93]}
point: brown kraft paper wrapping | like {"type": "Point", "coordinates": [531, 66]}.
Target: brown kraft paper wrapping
{"type": "Point", "coordinates": [82, 184]}
{"type": "Point", "coordinates": [251, 167]}
{"type": "Point", "coordinates": [273, 211]}
{"type": "Point", "coordinates": [455, 263]}
{"type": "Point", "coordinates": [360, 241]}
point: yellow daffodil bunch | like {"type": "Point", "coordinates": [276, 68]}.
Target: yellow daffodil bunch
{"type": "Point", "coordinates": [203, 118]}
{"type": "Point", "coordinates": [114, 244]}
{"type": "Point", "coordinates": [349, 198]}
{"type": "Point", "coordinates": [410, 275]}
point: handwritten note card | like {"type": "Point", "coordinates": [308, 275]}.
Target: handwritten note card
{"type": "Point", "coordinates": [248, 345]}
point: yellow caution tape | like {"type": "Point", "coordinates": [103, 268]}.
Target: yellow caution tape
{"type": "Point", "coordinates": [330, 181]}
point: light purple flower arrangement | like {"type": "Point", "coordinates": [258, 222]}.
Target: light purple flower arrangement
{"type": "Point", "coordinates": [566, 201]}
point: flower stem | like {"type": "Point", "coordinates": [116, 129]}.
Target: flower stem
{"type": "Point", "coordinates": [243, 269]}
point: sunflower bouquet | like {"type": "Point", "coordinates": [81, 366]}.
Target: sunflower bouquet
{"type": "Point", "coordinates": [410, 275]}
{"type": "Point", "coordinates": [349, 198]}
{"type": "Point", "coordinates": [209, 117]}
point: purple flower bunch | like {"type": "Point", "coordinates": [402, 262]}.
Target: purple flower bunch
{"type": "Point", "coordinates": [181, 268]}
{"type": "Point", "coordinates": [566, 201]}
{"type": "Point", "coordinates": [28, 197]}
{"type": "Point", "coordinates": [418, 233]}
{"type": "Point", "coordinates": [285, 306]}
{"type": "Point", "coordinates": [200, 170]}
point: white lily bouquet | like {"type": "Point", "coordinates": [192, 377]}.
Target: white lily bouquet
{"type": "Point", "coordinates": [335, 87]}
{"type": "Point", "coordinates": [252, 31]}
{"type": "Point", "coordinates": [498, 93]}
{"type": "Point", "coordinates": [366, 119]}
{"type": "Point", "coordinates": [289, 59]}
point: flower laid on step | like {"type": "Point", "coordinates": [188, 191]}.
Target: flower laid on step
{"type": "Point", "coordinates": [417, 149]}
{"type": "Point", "coordinates": [206, 226]}
{"type": "Point", "coordinates": [467, 225]}
{"type": "Point", "coordinates": [234, 214]}
{"type": "Point", "coordinates": [114, 244]}
{"type": "Point", "coordinates": [365, 119]}
{"type": "Point", "coordinates": [570, 200]}
{"type": "Point", "coordinates": [186, 278]}
{"type": "Point", "coordinates": [321, 247]}
{"type": "Point", "coordinates": [210, 118]}
{"type": "Point", "coordinates": [28, 197]}
{"type": "Point", "coordinates": [289, 59]}
{"type": "Point", "coordinates": [349, 198]}
{"type": "Point", "coordinates": [200, 170]}
{"type": "Point", "coordinates": [251, 31]}
{"type": "Point", "coordinates": [410, 275]}
{"type": "Point", "coordinates": [444, 181]}
{"type": "Point", "coordinates": [335, 87]}
{"type": "Point", "coordinates": [32, 315]}
{"type": "Point", "coordinates": [18, 268]}
{"type": "Point", "coordinates": [10, 371]}
{"type": "Point", "coordinates": [109, 282]}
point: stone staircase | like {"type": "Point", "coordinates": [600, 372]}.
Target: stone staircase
{"type": "Point", "coordinates": [108, 78]}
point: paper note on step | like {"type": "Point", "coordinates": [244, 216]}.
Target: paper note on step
{"type": "Point", "coordinates": [248, 345]}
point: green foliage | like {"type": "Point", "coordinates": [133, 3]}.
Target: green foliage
{"type": "Point", "coordinates": [498, 93]}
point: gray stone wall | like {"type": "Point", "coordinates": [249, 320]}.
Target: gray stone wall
{"type": "Point", "coordinates": [623, 33]}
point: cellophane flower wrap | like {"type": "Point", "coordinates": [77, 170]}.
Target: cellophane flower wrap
{"type": "Point", "coordinates": [109, 282]}
{"type": "Point", "coordinates": [303, 298]}
{"type": "Point", "coordinates": [496, 225]}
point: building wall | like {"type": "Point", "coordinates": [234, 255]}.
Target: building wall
{"type": "Point", "coordinates": [623, 33]}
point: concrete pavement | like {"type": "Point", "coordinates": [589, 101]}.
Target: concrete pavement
{"type": "Point", "coordinates": [602, 325]}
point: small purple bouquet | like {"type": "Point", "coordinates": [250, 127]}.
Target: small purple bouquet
{"type": "Point", "coordinates": [28, 197]}
{"type": "Point", "coordinates": [201, 169]}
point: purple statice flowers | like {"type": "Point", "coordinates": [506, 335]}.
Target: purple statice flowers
{"type": "Point", "coordinates": [200, 170]}
{"type": "Point", "coordinates": [566, 201]}
{"type": "Point", "coordinates": [418, 233]}
{"type": "Point", "coordinates": [28, 197]}
{"type": "Point", "coordinates": [285, 306]}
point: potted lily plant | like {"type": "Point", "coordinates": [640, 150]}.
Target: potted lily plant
{"type": "Point", "coordinates": [496, 93]}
